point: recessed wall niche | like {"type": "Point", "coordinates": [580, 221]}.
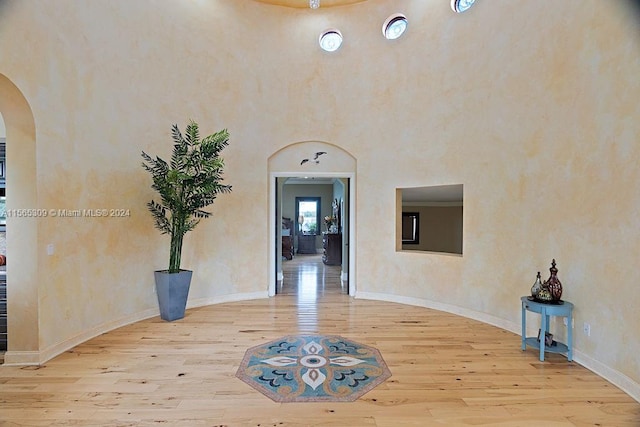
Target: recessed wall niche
{"type": "Point", "coordinates": [429, 219]}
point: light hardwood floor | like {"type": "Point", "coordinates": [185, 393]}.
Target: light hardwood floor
{"type": "Point", "coordinates": [307, 277]}
{"type": "Point", "coordinates": [447, 371]}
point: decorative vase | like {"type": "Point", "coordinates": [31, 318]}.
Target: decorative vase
{"type": "Point", "coordinates": [537, 286]}
{"type": "Point", "coordinates": [553, 283]}
{"type": "Point", "coordinates": [544, 295]}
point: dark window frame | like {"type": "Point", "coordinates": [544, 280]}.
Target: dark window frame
{"type": "Point", "coordinates": [315, 199]}
{"type": "Point", "coordinates": [410, 228]}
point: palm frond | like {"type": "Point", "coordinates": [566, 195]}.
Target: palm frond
{"type": "Point", "coordinates": [187, 184]}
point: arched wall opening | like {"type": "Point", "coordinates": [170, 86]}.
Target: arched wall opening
{"type": "Point", "coordinates": [289, 162]}
{"type": "Point", "coordinates": [22, 232]}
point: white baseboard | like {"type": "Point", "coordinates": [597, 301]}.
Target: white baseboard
{"type": "Point", "coordinates": [38, 358]}
{"type": "Point", "coordinates": [201, 302]}
{"type": "Point", "coordinates": [30, 358]}
{"type": "Point", "coordinates": [464, 312]}
{"type": "Point", "coordinates": [616, 378]}
{"type": "Point", "coordinates": [22, 358]}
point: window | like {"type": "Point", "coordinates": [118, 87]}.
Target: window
{"type": "Point", "coordinates": [394, 26]}
{"type": "Point", "coordinates": [308, 215]}
{"type": "Point", "coordinates": [410, 224]}
{"type": "Point", "coordinates": [460, 6]}
{"type": "Point", "coordinates": [330, 40]}
{"type": "Point", "coordinates": [429, 219]}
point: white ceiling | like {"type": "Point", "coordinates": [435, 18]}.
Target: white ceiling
{"type": "Point", "coordinates": [309, 180]}
{"type": "Point", "coordinates": [433, 194]}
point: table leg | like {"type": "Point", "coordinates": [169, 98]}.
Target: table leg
{"type": "Point", "coordinates": [543, 328]}
{"type": "Point", "coordinates": [570, 337]}
{"type": "Point", "coordinates": [524, 327]}
{"type": "Point", "coordinates": [548, 322]}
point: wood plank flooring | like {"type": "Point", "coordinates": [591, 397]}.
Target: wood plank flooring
{"type": "Point", "coordinates": [308, 277]}
{"type": "Point", "coordinates": [447, 371]}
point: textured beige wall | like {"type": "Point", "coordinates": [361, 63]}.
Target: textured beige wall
{"type": "Point", "coordinates": [531, 105]}
{"type": "Point", "coordinates": [3, 131]}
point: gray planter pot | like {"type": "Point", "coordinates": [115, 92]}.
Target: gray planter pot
{"type": "Point", "coordinates": [173, 291]}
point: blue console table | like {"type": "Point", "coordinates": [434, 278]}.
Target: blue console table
{"type": "Point", "coordinates": [547, 310]}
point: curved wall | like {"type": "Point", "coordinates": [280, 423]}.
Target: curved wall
{"type": "Point", "coordinates": [531, 105]}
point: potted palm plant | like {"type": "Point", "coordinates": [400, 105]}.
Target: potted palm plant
{"type": "Point", "coordinates": [188, 183]}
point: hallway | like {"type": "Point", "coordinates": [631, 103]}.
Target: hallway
{"type": "Point", "coordinates": [307, 277]}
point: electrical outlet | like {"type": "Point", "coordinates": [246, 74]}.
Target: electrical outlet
{"type": "Point", "coordinates": [587, 329]}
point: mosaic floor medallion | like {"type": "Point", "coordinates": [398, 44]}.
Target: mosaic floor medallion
{"type": "Point", "coordinates": [313, 368]}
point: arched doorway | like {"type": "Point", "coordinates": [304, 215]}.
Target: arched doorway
{"type": "Point", "coordinates": [21, 238]}
{"type": "Point", "coordinates": [319, 160]}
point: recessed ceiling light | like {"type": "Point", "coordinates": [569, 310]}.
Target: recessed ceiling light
{"type": "Point", "coordinates": [394, 26]}
{"type": "Point", "coordinates": [330, 40]}
{"type": "Point", "coordinates": [460, 6]}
